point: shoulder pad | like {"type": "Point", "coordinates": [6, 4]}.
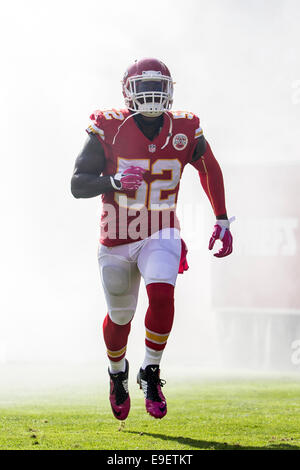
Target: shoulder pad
{"type": "Point", "coordinates": [105, 123]}
{"type": "Point", "coordinates": [190, 120]}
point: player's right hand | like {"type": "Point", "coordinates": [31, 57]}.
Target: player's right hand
{"type": "Point", "coordinates": [129, 179]}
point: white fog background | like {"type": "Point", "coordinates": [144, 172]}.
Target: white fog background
{"type": "Point", "coordinates": [236, 65]}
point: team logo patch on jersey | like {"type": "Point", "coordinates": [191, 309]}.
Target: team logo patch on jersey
{"type": "Point", "coordinates": [180, 141]}
{"type": "Point", "coordinates": [152, 148]}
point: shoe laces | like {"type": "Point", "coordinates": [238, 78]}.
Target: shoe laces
{"type": "Point", "coordinates": [154, 381]}
{"type": "Point", "coordinates": [120, 388]}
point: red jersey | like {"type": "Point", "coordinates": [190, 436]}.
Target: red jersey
{"type": "Point", "coordinates": [135, 215]}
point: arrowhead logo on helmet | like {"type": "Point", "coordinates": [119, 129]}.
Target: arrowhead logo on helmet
{"type": "Point", "coordinates": [148, 87]}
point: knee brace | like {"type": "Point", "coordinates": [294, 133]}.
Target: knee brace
{"type": "Point", "coordinates": [120, 284]}
{"type": "Point", "coordinates": [115, 279]}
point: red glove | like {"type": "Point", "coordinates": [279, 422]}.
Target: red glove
{"type": "Point", "coordinates": [183, 264]}
{"type": "Point", "coordinates": [222, 232]}
{"type": "Point", "coordinates": [129, 179]}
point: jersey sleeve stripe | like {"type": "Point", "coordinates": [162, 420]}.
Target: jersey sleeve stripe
{"type": "Point", "coordinates": [198, 132]}
{"type": "Point", "coordinates": [93, 129]}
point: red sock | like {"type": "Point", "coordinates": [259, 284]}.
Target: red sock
{"type": "Point", "coordinates": [115, 337]}
{"type": "Point", "coordinates": [160, 315]}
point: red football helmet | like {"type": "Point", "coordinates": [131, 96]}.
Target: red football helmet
{"type": "Point", "coordinates": [148, 87]}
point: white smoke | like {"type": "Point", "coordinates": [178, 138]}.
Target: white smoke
{"type": "Point", "coordinates": [236, 65]}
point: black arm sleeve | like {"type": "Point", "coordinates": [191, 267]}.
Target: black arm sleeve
{"type": "Point", "coordinates": [200, 149]}
{"type": "Point", "coordinates": [86, 180]}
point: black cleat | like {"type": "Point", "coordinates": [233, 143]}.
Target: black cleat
{"type": "Point", "coordinates": [150, 382]}
{"type": "Point", "coordinates": [119, 397]}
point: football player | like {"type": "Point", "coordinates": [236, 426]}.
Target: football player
{"type": "Point", "coordinates": [134, 158]}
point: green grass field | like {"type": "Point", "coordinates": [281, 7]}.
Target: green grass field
{"type": "Point", "coordinates": [232, 414]}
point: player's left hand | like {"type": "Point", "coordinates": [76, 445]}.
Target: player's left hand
{"type": "Point", "coordinates": [222, 232]}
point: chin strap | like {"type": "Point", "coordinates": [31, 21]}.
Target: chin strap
{"type": "Point", "coordinates": [128, 117]}
{"type": "Point", "coordinates": [170, 131]}
{"type": "Point", "coordinates": [138, 112]}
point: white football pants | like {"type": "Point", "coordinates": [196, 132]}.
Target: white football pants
{"type": "Point", "coordinates": [156, 259]}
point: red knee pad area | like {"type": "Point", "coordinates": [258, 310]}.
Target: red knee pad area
{"type": "Point", "coordinates": [160, 314]}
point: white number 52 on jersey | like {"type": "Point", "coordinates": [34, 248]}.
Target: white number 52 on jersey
{"type": "Point", "coordinates": [150, 194]}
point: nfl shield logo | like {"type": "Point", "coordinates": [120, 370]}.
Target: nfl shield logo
{"type": "Point", "coordinates": [152, 148]}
